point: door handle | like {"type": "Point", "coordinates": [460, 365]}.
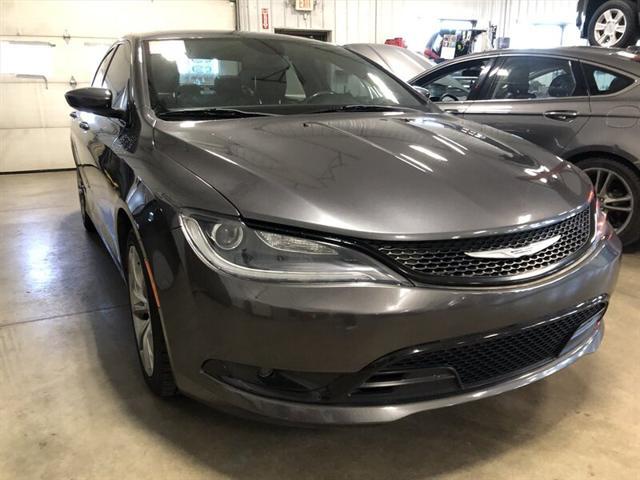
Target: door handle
{"type": "Point", "coordinates": [73, 115]}
{"type": "Point", "coordinates": [562, 115]}
{"type": "Point", "coordinates": [84, 125]}
{"type": "Point", "coordinates": [453, 111]}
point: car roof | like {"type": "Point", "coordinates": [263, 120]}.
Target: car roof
{"type": "Point", "coordinates": [626, 60]}
{"type": "Point", "coordinates": [179, 34]}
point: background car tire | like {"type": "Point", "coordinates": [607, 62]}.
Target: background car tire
{"type": "Point", "coordinates": [86, 220]}
{"type": "Point", "coordinates": [160, 379]}
{"type": "Point", "coordinates": [631, 232]}
{"type": "Point", "coordinates": [630, 36]}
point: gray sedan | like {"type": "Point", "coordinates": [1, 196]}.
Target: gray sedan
{"type": "Point", "coordinates": [580, 103]}
{"type": "Point", "coordinates": [306, 238]}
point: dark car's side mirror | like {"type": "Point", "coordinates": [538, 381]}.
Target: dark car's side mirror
{"type": "Point", "coordinates": [93, 100]}
{"type": "Point", "coordinates": [422, 91]}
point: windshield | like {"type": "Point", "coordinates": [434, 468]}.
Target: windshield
{"type": "Point", "coordinates": [268, 75]}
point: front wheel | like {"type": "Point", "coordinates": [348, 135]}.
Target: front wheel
{"type": "Point", "coordinates": [147, 328]}
{"type": "Point", "coordinates": [614, 24]}
{"type": "Point", "coordinates": [618, 189]}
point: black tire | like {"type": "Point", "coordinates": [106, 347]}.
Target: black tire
{"type": "Point", "coordinates": [86, 220]}
{"type": "Point", "coordinates": [630, 36]}
{"type": "Point", "coordinates": [161, 382]}
{"type": "Point", "coordinates": [631, 232]}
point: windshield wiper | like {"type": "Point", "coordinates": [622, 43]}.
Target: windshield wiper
{"type": "Point", "coordinates": [364, 108]}
{"type": "Point", "coordinates": [211, 113]}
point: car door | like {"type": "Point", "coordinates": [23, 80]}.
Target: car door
{"type": "Point", "coordinates": [106, 147]}
{"type": "Point", "coordinates": [83, 139]}
{"type": "Point", "coordinates": [540, 98]}
{"type": "Point", "coordinates": [454, 87]}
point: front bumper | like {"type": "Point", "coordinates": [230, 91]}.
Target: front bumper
{"type": "Point", "coordinates": [330, 414]}
{"type": "Point", "coordinates": [343, 329]}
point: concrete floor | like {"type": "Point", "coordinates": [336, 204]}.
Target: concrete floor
{"type": "Point", "coordinates": [74, 406]}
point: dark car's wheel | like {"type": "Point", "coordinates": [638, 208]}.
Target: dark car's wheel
{"type": "Point", "coordinates": [614, 24]}
{"type": "Point", "coordinates": [82, 196]}
{"type": "Point", "coordinates": [147, 328]}
{"type": "Point", "coordinates": [618, 188]}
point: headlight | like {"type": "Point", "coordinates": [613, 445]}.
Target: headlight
{"type": "Point", "coordinates": [234, 248]}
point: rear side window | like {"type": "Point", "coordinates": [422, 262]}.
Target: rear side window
{"type": "Point", "coordinates": [117, 77]}
{"type": "Point", "coordinates": [605, 82]}
{"type": "Point", "coordinates": [534, 78]}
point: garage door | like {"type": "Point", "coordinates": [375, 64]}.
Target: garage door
{"type": "Point", "coordinates": [47, 48]}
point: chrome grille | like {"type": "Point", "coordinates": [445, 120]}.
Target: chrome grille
{"type": "Point", "coordinates": [445, 260]}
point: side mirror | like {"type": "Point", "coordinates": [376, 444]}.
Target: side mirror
{"type": "Point", "coordinates": [422, 91]}
{"type": "Point", "coordinates": [93, 100]}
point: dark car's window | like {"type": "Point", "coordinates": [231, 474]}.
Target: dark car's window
{"type": "Point", "coordinates": [98, 78]}
{"type": "Point", "coordinates": [117, 77]}
{"type": "Point", "coordinates": [527, 77]}
{"type": "Point", "coordinates": [455, 83]}
{"type": "Point", "coordinates": [265, 73]}
{"type": "Point", "coordinates": [604, 82]}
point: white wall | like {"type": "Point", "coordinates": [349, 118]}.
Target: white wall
{"type": "Point", "coordinates": [34, 119]}
{"type": "Point", "coordinates": [376, 20]}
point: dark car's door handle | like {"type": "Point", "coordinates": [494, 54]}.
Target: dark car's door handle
{"type": "Point", "coordinates": [84, 125]}
{"type": "Point", "coordinates": [73, 115]}
{"type": "Point", "coordinates": [562, 115]}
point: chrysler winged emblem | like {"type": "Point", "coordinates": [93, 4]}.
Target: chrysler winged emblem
{"type": "Point", "coordinates": [525, 251]}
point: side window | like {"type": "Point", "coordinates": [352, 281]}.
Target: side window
{"type": "Point", "coordinates": [98, 77]}
{"type": "Point", "coordinates": [117, 76]}
{"type": "Point", "coordinates": [534, 78]}
{"type": "Point", "coordinates": [455, 83]}
{"type": "Point", "coordinates": [605, 82]}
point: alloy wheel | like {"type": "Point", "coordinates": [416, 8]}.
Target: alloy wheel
{"type": "Point", "coordinates": [140, 310]}
{"type": "Point", "coordinates": [615, 195]}
{"type": "Point", "coordinates": [610, 27]}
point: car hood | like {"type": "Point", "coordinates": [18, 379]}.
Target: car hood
{"type": "Point", "coordinates": [400, 176]}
